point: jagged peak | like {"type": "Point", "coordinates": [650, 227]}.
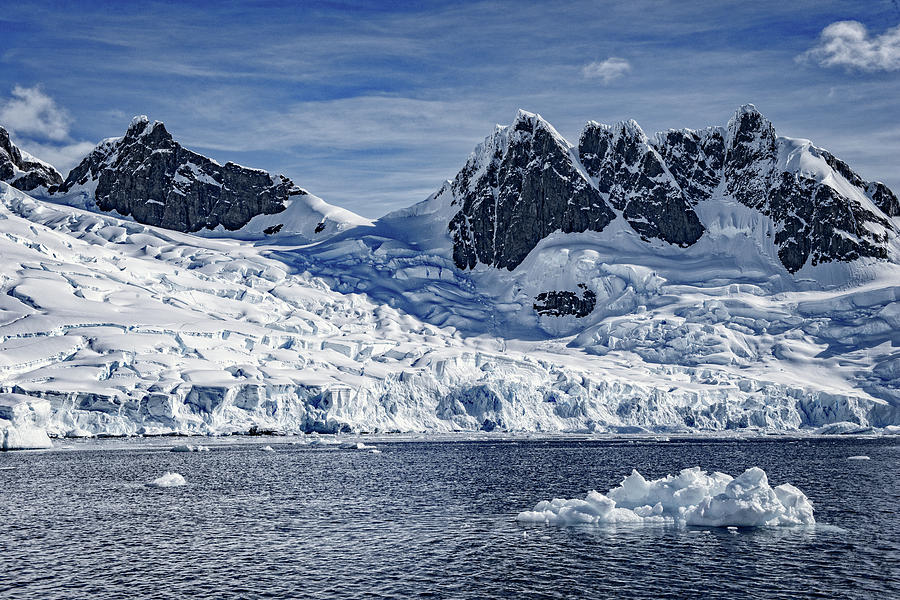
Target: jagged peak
{"type": "Point", "coordinates": [747, 118]}
{"type": "Point", "coordinates": [141, 126]}
{"type": "Point", "coordinates": [660, 137]}
{"type": "Point", "coordinates": [631, 130]}
{"type": "Point", "coordinates": [531, 122]}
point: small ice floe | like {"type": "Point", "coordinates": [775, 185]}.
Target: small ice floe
{"type": "Point", "coordinates": [375, 451]}
{"type": "Point", "coordinates": [267, 449]}
{"type": "Point", "coordinates": [860, 457]}
{"type": "Point", "coordinates": [189, 448]}
{"type": "Point", "coordinates": [78, 432]}
{"type": "Point", "coordinates": [316, 440]}
{"type": "Point", "coordinates": [167, 480]}
{"type": "Point", "coordinates": [356, 446]}
{"type": "Point", "coordinates": [693, 497]}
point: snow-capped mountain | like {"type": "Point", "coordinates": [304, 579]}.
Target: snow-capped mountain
{"type": "Point", "coordinates": [150, 177]}
{"type": "Point", "coordinates": [718, 279]}
{"type": "Point", "coordinates": [22, 170]}
{"type": "Point", "coordinates": [526, 182]}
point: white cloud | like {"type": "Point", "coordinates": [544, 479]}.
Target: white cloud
{"type": "Point", "coordinates": [848, 44]}
{"type": "Point", "coordinates": [31, 112]}
{"type": "Point", "coordinates": [41, 127]}
{"type": "Point", "coordinates": [607, 70]}
{"type": "Point", "coordinates": [63, 157]}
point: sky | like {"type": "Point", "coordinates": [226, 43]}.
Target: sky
{"type": "Point", "coordinates": [373, 105]}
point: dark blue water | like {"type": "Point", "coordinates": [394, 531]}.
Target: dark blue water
{"type": "Point", "coordinates": [430, 520]}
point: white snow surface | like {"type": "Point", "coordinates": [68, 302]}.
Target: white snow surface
{"type": "Point", "coordinates": [128, 329]}
{"type": "Point", "coordinates": [167, 480]}
{"type": "Point", "coordinates": [304, 214]}
{"type": "Point", "coordinates": [693, 497]}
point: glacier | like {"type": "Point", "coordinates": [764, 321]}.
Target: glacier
{"type": "Point", "coordinates": [127, 329]}
{"type": "Point", "coordinates": [113, 327]}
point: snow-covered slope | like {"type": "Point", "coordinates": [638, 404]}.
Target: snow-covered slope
{"type": "Point", "coordinates": [126, 328]}
{"type": "Point", "coordinates": [148, 176]}
{"type": "Point", "coordinates": [545, 288]}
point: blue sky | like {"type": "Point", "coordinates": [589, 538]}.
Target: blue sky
{"type": "Point", "coordinates": [372, 105]}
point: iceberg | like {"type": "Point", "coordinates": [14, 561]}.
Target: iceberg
{"type": "Point", "coordinates": [692, 497]}
{"type": "Point", "coordinates": [167, 480]}
{"type": "Point", "coordinates": [189, 448]}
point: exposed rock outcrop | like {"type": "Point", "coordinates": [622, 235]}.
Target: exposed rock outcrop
{"type": "Point", "coordinates": [23, 171]}
{"type": "Point", "coordinates": [149, 176]}
{"type": "Point", "coordinates": [633, 178]}
{"type": "Point", "coordinates": [526, 182]}
{"type": "Point", "coordinates": [520, 186]}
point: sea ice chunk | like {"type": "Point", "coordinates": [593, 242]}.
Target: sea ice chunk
{"type": "Point", "coordinates": [189, 448]}
{"type": "Point", "coordinates": [693, 497]}
{"type": "Point", "coordinates": [356, 446]}
{"type": "Point", "coordinates": [167, 480]}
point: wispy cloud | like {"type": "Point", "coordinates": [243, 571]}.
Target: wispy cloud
{"type": "Point", "coordinates": [31, 112]}
{"type": "Point", "coordinates": [41, 127]}
{"type": "Point", "coordinates": [848, 44]}
{"type": "Point", "coordinates": [607, 70]}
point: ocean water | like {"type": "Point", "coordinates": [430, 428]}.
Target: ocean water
{"type": "Point", "coordinates": [430, 519]}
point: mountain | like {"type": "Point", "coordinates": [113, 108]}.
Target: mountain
{"type": "Point", "coordinates": [148, 176]}
{"type": "Point", "coordinates": [526, 182]}
{"type": "Point", "coordinates": [631, 283]}
{"type": "Point", "coordinates": [23, 171]}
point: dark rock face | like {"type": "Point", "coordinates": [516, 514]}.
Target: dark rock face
{"type": "Point", "coordinates": [631, 175]}
{"type": "Point", "coordinates": [813, 221]}
{"type": "Point", "coordinates": [151, 177]}
{"type": "Point", "coordinates": [562, 303]}
{"type": "Point", "coordinates": [22, 172]}
{"type": "Point", "coordinates": [884, 198]}
{"type": "Point", "coordinates": [751, 154]}
{"type": "Point", "coordinates": [695, 159]}
{"type": "Point", "coordinates": [519, 191]}
{"type": "Point", "coordinates": [524, 183]}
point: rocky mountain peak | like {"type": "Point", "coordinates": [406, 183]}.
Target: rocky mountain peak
{"type": "Point", "coordinates": [526, 182]}
{"type": "Point", "coordinates": [750, 135]}
{"type": "Point", "coordinates": [522, 184]}
{"type": "Point", "coordinates": [148, 175]}
{"type": "Point", "coordinates": [23, 171]}
{"type": "Point", "coordinates": [634, 179]}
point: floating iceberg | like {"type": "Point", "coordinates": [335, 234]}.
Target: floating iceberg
{"type": "Point", "coordinates": [860, 457]}
{"type": "Point", "coordinates": [356, 446]}
{"type": "Point", "coordinates": [267, 449]}
{"type": "Point", "coordinates": [693, 497]}
{"type": "Point", "coordinates": [189, 448]}
{"type": "Point", "coordinates": [167, 480]}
